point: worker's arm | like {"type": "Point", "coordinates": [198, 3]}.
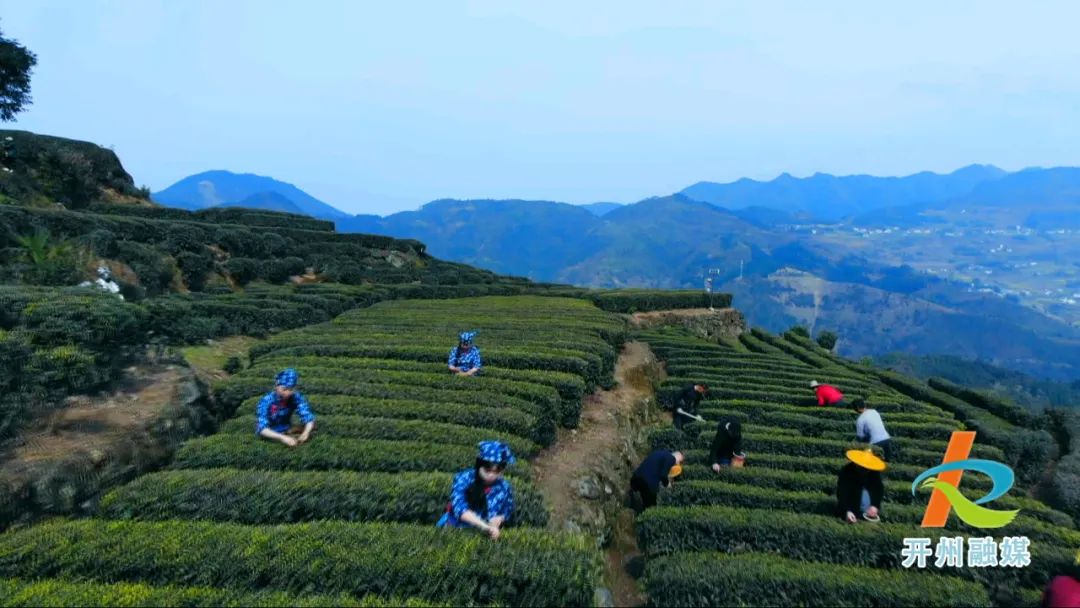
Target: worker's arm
{"type": "Point", "coordinates": [270, 433]}
{"type": "Point", "coordinates": [262, 424]}
{"type": "Point", "coordinates": [684, 398]}
{"type": "Point", "coordinates": [717, 445]}
{"type": "Point", "coordinates": [665, 470]}
{"type": "Point", "coordinates": [501, 504]}
{"type": "Point", "coordinates": [450, 361]}
{"type": "Point", "coordinates": [303, 408]}
{"type": "Point", "coordinates": [460, 505]}
{"type": "Point", "coordinates": [820, 396]}
{"type": "Point", "coordinates": [476, 521]}
{"type": "Point", "coordinates": [473, 359]}
{"type": "Point", "coordinates": [862, 432]}
{"type": "Point", "coordinates": [306, 434]}
{"type": "Point", "coordinates": [691, 407]}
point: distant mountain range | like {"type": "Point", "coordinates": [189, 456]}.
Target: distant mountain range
{"type": "Point", "coordinates": [831, 198]}
{"type": "Point", "coordinates": [741, 230]}
{"type": "Point", "coordinates": [1032, 197]}
{"type": "Point", "coordinates": [228, 189]}
{"type": "Point", "coordinates": [858, 199]}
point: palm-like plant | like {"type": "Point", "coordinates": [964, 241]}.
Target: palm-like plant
{"type": "Point", "coordinates": [36, 246]}
{"type": "Point", "coordinates": [51, 260]}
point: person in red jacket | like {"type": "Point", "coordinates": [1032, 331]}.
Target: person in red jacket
{"type": "Point", "coordinates": [827, 395]}
{"type": "Point", "coordinates": [1062, 592]}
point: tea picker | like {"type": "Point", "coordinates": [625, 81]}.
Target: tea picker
{"type": "Point", "coordinates": [464, 358]}
{"type": "Point", "coordinates": [686, 404]}
{"type": "Point", "coordinates": [727, 449]}
{"type": "Point", "coordinates": [274, 411]}
{"type": "Point", "coordinates": [658, 469]}
{"type": "Point", "coordinates": [727, 444]}
{"type": "Point", "coordinates": [481, 497]}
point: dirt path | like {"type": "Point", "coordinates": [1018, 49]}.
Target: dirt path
{"type": "Point", "coordinates": [599, 443]}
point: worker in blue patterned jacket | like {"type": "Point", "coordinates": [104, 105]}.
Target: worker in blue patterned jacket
{"type": "Point", "coordinates": [465, 357]}
{"type": "Point", "coordinates": [274, 412]}
{"type": "Point", "coordinates": [480, 497]}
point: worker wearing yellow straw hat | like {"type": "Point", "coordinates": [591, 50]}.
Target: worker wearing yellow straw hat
{"type": "Point", "coordinates": [859, 487]}
{"type": "Point", "coordinates": [658, 469]}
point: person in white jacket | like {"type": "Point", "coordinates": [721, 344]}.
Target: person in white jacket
{"type": "Point", "coordinates": [870, 428]}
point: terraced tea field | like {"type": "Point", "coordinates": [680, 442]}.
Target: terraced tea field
{"type": "Point", "coordinates": [767, 535]}
{"type": "Point", "coordinates": [348, 518]}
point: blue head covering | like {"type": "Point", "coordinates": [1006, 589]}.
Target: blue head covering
{"type": "Point", "coordinates": [496, 451]}
{"type": "Point", "coordinates": [287, 378]}
{"type": "Point", "coordinates": [467, 337]}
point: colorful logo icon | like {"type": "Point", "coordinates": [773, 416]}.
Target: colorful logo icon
{"type": "Point", "coordinates": [944, 481]}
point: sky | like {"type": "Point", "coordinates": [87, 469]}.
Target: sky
{"type": "Point", "coordinates": [376, 107]}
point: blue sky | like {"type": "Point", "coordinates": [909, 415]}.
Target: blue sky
{"type": "Point", "coordinates": [376, 107]}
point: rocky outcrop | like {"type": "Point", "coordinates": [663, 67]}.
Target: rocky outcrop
{"type": "Point", "coordinates": [41, 169]}
{"type": "Point", "coordinates": [704, 323]}
{"type": "Point", "coordinates": [65, 464]}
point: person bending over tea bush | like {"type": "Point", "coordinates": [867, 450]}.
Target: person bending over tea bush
{"type": "Point", "coordinates": [656, 470]}
{"type": "Point", "coordinates": [859, 488]}
{"type": "Point", "coordinates": [727, 444]}
{"type": "Point", "coordinates": [465, 357]}
{"type": "Point", "coordinates": [827, 395]}
{"type": "Point", "coordinates": [688, 401]}
{"type": "Point", "coordinates": [870, 428]}
{"type": "Point", "coordinates": [481, 497]}
{"type": "Point", "coordinates": [274, 412]}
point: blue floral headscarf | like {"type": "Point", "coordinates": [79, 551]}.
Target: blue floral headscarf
{"type": "Point", "coordinates": [287, 378]}
{"type": "Point", "coordinates": [496, 451]}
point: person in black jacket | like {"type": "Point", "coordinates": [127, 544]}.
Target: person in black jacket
{"type": "Point", "coordinates": [688, 401]}
{"type": "Point", "coordinates": [859, 487]}
{"type": "Point", "coordinates": [655, 471]}
{"type": "Point", "coordinates": [727, 444]}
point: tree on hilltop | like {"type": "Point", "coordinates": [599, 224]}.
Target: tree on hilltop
{"type": "Point", "coordinates": [16, 63]}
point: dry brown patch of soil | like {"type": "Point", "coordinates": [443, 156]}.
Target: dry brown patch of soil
{"type": "Point", "coordinates": [88, 423]}
{"type": "Point", "coordinates": [650, 318]}
{"type": "Point", "coordinates": [64, 460]}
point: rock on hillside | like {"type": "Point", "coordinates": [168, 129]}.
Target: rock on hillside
{"type": "Point", "coordinates": [41, 170]}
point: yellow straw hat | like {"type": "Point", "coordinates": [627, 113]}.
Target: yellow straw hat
{"type": "Point", "coordinates": [675, 471]}
{"type": "Point", "coordinates": [866, 459]}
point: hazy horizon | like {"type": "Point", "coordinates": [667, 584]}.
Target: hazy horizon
{"type": "Point", "coordinates": [585, 203]}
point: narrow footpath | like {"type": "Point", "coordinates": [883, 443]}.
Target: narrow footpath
{"type": "Point", "coordinates": [584, 474]}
